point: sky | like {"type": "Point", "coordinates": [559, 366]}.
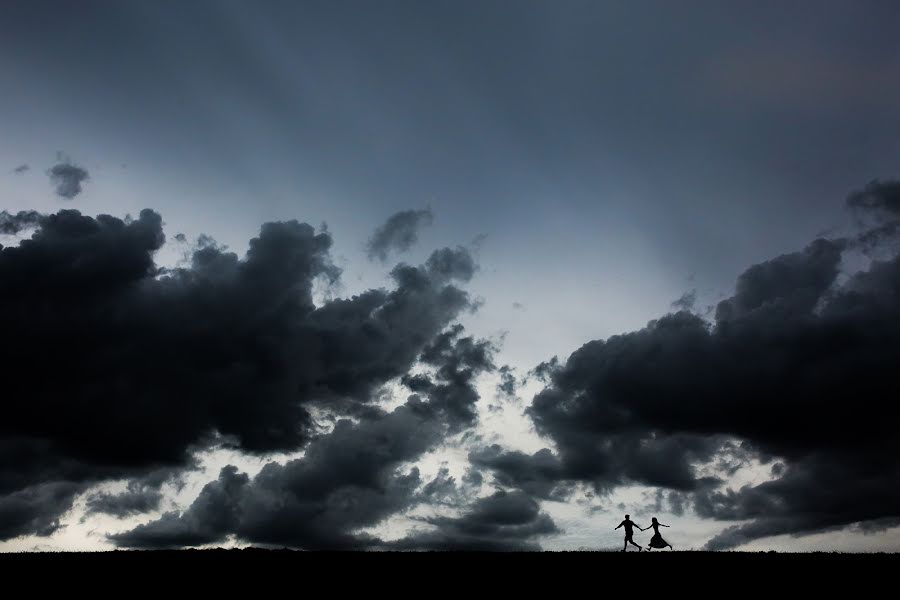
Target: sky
{"type": "Point", "coordinates": [449, 275]}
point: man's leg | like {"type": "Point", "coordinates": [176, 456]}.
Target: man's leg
{"type": "Point", "coordinates": [635, 545]}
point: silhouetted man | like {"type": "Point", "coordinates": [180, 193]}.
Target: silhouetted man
{"type": "Point", "coordinates": [628, 524]}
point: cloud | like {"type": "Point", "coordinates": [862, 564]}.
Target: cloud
{"type": "Point", "coordinates": [398, 234]}
{"type": "Point", "coordinates": [546, 368]}
{"type": "Point", "coordinates": [457, 360]}
{"type": "Point", "coordinates": [798, 366]}
{"type": "Point", "coordinates": [539, 474]}
{"type": "Point", "coordinates": [134, 501]}
{"type": "Point", "coordinates": [503, 522]}
{"type": "Point", "coordinates": [11, 224]}
{"type": "Point", "coordinates": [877, 196]}
{"type": "Point", "coordinates": [620, 384]}
{"type": "Point", "coordinates": [508, 384]}
{"type": "Point", "coordinates": [348, 479]}
{"type": "Point", "coordinates": [686, 301]}
{"type": "Point", "coordinates": [142, 495]}
{"type": "Point", "coordinates": [67, 178]}
{"type": "Point", "coordinates": [144, 366]}
{"type": "Point", "coordinates": [120, 368]}
{"type": "Point", "coordinates": [21, 169]}
{"type": "Point", "coordinates": [213, 513]}
{"type": "Point", "coordinates": [443, 489]}
{"type": "Point", "coordinates": [791, 283]}
{"type": "Point", "coordinates": [36, 509]}
{"type": "Point", "coordinates": [877, 208]}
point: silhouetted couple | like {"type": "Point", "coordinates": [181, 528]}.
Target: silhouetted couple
{"type": "Point", "coordinates": [656, 541]}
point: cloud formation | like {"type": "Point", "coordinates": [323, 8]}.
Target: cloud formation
{"type": "Point", "coordinates": [398, 234]}
{"type": "Point", "coordinates": [36, 509]}
{"type": "Point", "coordinates": [348, 479]}
{"type": "Point", "coordinates": [502, 522]}
{"type": "Point", "coordinates": [794, 371]}
{"type": "Point", "coordinates": [686, 301]}
{"type": "Point", "coordinates": [120, 368]}
{"type": "Point", "coordinates": [878, 196]}
{"type": "Point", "coordinates": [142, 495]}
{"type": "Point", "coordinates": [67, 178]}
{"type": "Point", "coordinates": [797, 367]}
{"type": "Point", "coordinates": [11, 224]}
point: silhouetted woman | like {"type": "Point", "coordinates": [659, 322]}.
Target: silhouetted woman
{"type": "Point", "coordinates": [657, 540]}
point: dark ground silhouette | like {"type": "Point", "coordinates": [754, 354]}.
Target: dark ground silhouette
{"type": "Point", "coordinates": [303, 574]}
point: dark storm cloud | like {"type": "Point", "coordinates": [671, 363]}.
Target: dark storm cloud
{"type": "Point", "coordinates": [11, 224]}
{"type": "Point", "coordinates": [443, 489]}
{"type": "Point", "coordinates": [877, 206]}
{"type": "Point", "coordinates": [21, 169]}
{"type": "Point", "coordinates": [543, 371]}
{"type": "Point", "coordinates": [36, 509]}
{"type": "Point", "coordinates": [449, 263]}
{"type": "Point", "coordinates": [791, 283]}
{"type": "Point", "coordinates": [877, 238]}
{"type": "Point", "coordinates": [457, 361]}
{"type": "Point", "coordinates": [143, 494]}
{"type": "Point", "coordinates": [508, 384]}
{"type": "Point", "coordinates": [879, 196]}
{"type": "Point", "coordinates": [539, 474]}
{"type": "Point", "coordinates": [133, 501]}
{"type": "Point", "coordinates": [502, 522]}
{"type": "Point", "coordinates": [348, 479]}
{"type": "Point", "coordinates": [820, 492]}
{"type": "Point", "coordinates": [398, 234]}
{"type": "Point", "coordinates": [797, 365]}
{"type": "Point", "coordinates": [67, 178]}
{"type": "Point", "coordinates": [214, 513]}
{"type": "Point", "coordinates": [119, 368]}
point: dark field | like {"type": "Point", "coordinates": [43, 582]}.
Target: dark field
{"type": "Point", "coordinates": [704, 574]}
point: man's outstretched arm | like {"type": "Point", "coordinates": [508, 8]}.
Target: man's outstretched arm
{"type": "Point", "coordinates": [619, 525]}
